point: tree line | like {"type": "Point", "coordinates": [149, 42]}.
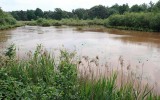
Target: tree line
{"type": "Point", "coordinates": [99, 11]}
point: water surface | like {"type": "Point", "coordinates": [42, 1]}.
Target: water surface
{"type": "Point", "coordinates": [141, 50]}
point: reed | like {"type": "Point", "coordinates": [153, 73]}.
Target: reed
{"type": "Point", "coordinates": [42, 76]}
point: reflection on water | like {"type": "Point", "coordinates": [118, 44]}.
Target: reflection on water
{"type": "Point", "coordinates": [136, 48]}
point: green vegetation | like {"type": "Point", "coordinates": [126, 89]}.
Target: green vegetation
{"type": "Point", "coordinates": [136, 21]}
{"type": "Point", "coordinates": [98, 11]}
{"type": "Point", "coordinates": [68, 22]}
{"type": "Point", "coordinates": [128, 21]}
{"type": "Point", "coordinates": [45, 77]}
{"type": "Point", "coordinates": [7, 21]}
{"type": "Point", "coordinates": [144, 17]}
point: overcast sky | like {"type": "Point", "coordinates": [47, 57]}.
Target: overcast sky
{"type": "Point", "coordinates": [68, 5]}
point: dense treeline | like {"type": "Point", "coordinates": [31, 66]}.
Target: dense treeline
{"type": "Point", "coordinates": [98, 11]}
{"type": "Point", "coordinates": [144, 17]}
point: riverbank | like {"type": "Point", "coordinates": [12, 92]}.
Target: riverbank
{"type": "Point", "coordinates": [44, 77]}
{"type": "Point", "coordinates": [111, 22]}
{"type": "Point", "coordinates": [6, 27]}
{"type": "Point", "coordinates": [115, 21]}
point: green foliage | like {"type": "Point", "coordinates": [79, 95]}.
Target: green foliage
{"type": "Point", "coordinates": [144, 17]}
{"type": "Point", "coordinates": [155, 22]}
{"type": "Point", "coordinates": [11, 51]}
{"type": "Point", "coordinates": [39, 77]}
{"type": "Point", "coordinates": [141, 8]}
{"type": "Point", "coordinates": [6, 19]}
{"type": "Point", "coordinates": [98, 12]}
{"type": "Point", "coordinates": [101, 89]}
{"type": "Point", "coordinates": [44, 77]}
{"type": "Point", "coordinates": [47, 22]}
{"type": "Point", "coordinates": [124, 8]}
{"type": "Point", "coordinates": [39, 13]}
{"type": "Point", "coordinates": [81, 13]}
{"type": "Point", "coordinates": [58, 14]}
{"type": "Point", "coordinates": [69, 22]}
{"type": "Point", "coordinates": [156, 7]}
{"type": "Point", "coordinates": [31, 15]}
{"type": "Point", "coordinates": [135, 8]}
{"type": "Point", "coordinates": [138, 21]}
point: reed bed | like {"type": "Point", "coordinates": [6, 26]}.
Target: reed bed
{"type": "Point", "coordinates": [43, 77]}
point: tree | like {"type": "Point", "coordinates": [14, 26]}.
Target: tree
{"type": "Point", "coordinates": [151, 5]}
{"type": "Point", "coordinates": [39, 12]}
{"type": "Point", "coordinates": [69, 14]}
{"type": "Point", "coordinates": [22, 15]}
{"type": "Point", "coordinates": [46, 14]}
{"type": "Point", "coordinates": [144, 7]}
{"type": "Point", "coordinates": [80, 13]}
{"type": "Point", "coordinates": [1, 12]}
{"type": "Point", "coordinates": [49, 14]}
{"type": "Point", "coordinates": [58, 14]}
{"type": "Point", "coordinates": [136, 8]}
{"type": "Point", "coordinates": [139, 8]}
{"type": "Point", "coordinates": [115, 8]}
{"type": "Point", "coordinates": [123, 8]}
{"type": "Point", "coordinates": [31, 15]}
{"type": "Point", "coordinates": [15, 15]}
{"type": "Point", "coordinates": [98, 12]}
{"type": "Point", "coordinates": [157, 7]}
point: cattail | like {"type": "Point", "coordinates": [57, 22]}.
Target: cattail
{"type": "Point", "coordinates": [96, 62]}
{"type": "Point", "coordinates": [93, 60]}
{"type": "Point", "coordinates": [79, 62]}
{"type": "Point", "coordinates": [128, 67]}
{"type": "Point", "coordinates": [97, 57]}
{"type": "Point", "coordinates": [86, 58]}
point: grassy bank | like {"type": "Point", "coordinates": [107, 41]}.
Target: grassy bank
{"type": "Point", "coordinates": [45, 77]}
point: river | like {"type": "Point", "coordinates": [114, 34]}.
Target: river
{"type": "Point", "coordinates": [141, 50]}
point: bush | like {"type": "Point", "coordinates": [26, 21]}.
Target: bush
{"type": "Point", "coordinates": [6, 19]}
{"type": "Point", "coordinates": [39, 77]}
{"type": "Point", "coordinates": [138, 21]}
{"type": "Point", "coordinates": [155, 22]}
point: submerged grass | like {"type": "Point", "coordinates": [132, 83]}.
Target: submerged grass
{"type": "Point", "coordinates": [43, 76]}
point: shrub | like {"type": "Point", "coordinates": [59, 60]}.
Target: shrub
{"type": "Point", "coordinates": [6, 19]}
{"type": "Point", "coordinates": [138, 21]}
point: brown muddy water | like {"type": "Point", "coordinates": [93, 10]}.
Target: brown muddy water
{"type": "Point", "coordinates": [140, 50]}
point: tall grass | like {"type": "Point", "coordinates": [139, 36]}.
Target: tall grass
{"type": "Point", "coordinates": [42, 76]}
